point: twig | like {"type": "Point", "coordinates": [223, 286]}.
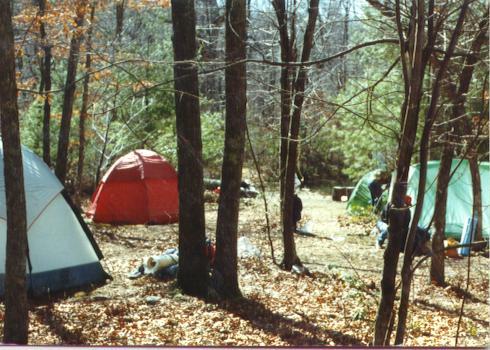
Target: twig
{"type": "Point", "coordinates": [262, 192]}
{"type": "Point", "coordinates": [464, 297]}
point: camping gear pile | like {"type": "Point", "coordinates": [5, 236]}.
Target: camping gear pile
{"type": "Point", "coordinates": [166, 265]}
{"type": "Point", "coordinates": [160, 266]}
{"type": "Point", "coordinates": [247, 190]}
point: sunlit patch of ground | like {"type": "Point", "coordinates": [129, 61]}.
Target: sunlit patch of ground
{"type": "Point", "coordinates": [336, 306]}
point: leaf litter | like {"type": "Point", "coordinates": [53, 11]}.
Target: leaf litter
{"type": "Point", "coordinates": [335, 306]}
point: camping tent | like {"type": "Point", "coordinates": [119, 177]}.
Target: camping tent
{"type": "Point", "coordinates": [459, 196]}
{"type": "Point", "coordinates": [139, 188]}
{"type": "Point", "coordinates": [62, 251]}
{"type": "Point", "coordinates": [360, 198]}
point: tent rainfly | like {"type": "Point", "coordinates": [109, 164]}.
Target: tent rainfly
{"type": "Point", "coordinates": [459, 195]}
{"type": "Point", "coordinates": [360, 198]}
{"type": "Point", "coordinates": [459, 201]}
{"type": "Point", "coordinates": [139, 188]}
{"type": "Point", "coordinates": [62, 250]}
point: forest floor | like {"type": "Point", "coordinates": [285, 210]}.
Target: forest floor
{"type": "Point", "coordinates": [335, 306]}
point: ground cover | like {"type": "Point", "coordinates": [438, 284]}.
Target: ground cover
{"type": "Point", "coordinates": [335, 306]}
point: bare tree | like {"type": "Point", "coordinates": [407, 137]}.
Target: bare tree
{"type": "Point", "coordinates": [46, 83]}
{"type": "Point", "coordinates": [16, 321]}
{"type": "Point", "coordinates": [292, 99]}
{"type": "Point", "coordinates": [236, 107]}
{"type": "Point", "coordinates": [84, 108]}
{"type": "Point", "coordinates": [411, 53]}
{"type": "Point", "coordinates": [423, 158]}
{"type": "Point", "coordinates": [69, 93]}
{"type": "Point", "coordinates": [193, 267]}
{"type": "Point", "coordinates": [457, 94]}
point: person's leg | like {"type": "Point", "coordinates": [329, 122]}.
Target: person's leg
{"type": "Point", "coordinates": [383, 233]}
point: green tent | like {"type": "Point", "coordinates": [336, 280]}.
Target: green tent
{"type": "Point", "coordinates": [460, 196]}
{"type": "Point", "coordinates": [360, 198]}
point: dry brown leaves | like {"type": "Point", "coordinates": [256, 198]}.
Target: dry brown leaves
{"type": "Point", "coordinates": [336, 306]}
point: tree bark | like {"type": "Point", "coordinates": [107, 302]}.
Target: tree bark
{"type": "Point", "coordinates": [16, 319]}
{"type": "Point", "coordinates": [477, 196]}
{"type": "Point", "coordinates": [193, 266]}
{"type": "Point", "coordinates": [110, 118]}
{"type": "Point", "coordinates": [286, 89]}
{"type": "Point", "coordinates": [460, 101]}
{"type": "Point", "coordinates": [83, 110]}
{"type": "Point", "coordinates": [236, 103]}
{"type": "Point", "coordinates": [119, 17]}
{"type": "Point", "coordinates": [437, 275]}
{"type": "Point", "coordinates": [208, 17]}
{"type": "Point", "coordinates": [345, 41]}
{"type": "Point", "coordinates": [423, 158]}
{"type": "Point", "coordinates": [290, 255]}
{"type": "Point", "coordinates": [413, 78]}
{"type": "Point", "coordinates": [46, 78]}
{"type": "Point", "coordinates": [69, 94]}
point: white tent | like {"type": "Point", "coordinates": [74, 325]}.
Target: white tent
{"type": "Point", "coordinates": [62, 251]}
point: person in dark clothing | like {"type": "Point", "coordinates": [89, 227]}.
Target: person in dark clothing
{"type": "Point", "coordinates": [376, 191]}
{"type": "Point", "coordinates": [297, 208]}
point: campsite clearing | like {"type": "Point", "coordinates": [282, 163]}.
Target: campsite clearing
{"type": "Point", "coordinates": [336, 306]}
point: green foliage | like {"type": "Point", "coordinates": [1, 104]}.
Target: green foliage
{"type": "Point", "coordinates": [31, 125]}
{"type": "Point", "coordinates": [368, 122]}
{"type": "Point", "coordinates": [213, 139]}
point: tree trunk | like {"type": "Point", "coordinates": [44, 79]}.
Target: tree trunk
{"type": "Point", "coordinates": [236, 104]}
{"type": "Point", "coordinates": [410, 116]}
{"type": "Point", "coordinates": [46, 78]}
{"type": "Point", "coordinates": [437, 275]}
{"type": "Point", "coordinates": [286, 89]}
{"type": "Point", "coordinates": [290, 256]}
{"type": "Point", "coordinates": [69, 95]}
{"type": "Point", "coordinates": [119, 17]}
{"type": "Point", "coordinates": [83, 110]}
{"type": "Point", "coordinates": [193, 266]}
{"type": "Point", "coordinates": [345, 41]}
{"type": "Point", "coordinates": [465, 81]}
{"type": "Point", "coordinates": [16, 318]}
{"type": "Point", "coordinates": [477, 196]}
{"type": "Point", "coordinates": [104, 148]}
{"type": "Point", "coordinates": [208, 17]}
{"type": "Point", "coordinates": [423, 155]}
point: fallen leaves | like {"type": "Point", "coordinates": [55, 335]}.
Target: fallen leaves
{"type": "Point", "coordinates": [336, 306]}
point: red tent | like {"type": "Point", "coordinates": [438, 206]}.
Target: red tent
{"type": "Point", "coordinates": [139, 188]}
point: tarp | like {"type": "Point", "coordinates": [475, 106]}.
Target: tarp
{"type": "Point", "coordinates": [460, 195]}
{"type": "Point", "coordinates": [139, 188]}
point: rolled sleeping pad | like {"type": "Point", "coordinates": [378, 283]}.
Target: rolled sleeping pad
{"type": "Point", "coordinates": [156, 263]}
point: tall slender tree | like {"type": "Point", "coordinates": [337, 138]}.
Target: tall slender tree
{"type": "Point", "coordinates": [46, 79]}
{"type": "Point", "coordinates": [84, 108]}
{"type": "Point", "coordinates": [231, 175]}
{"type": "Point", "coordinates": [457, 94]}
{"type": "Point", "coordinates": [69, 92]}
{"type": "Point", "coordinates": [430, 118]}
{"type": "Point", "coordinates": [16, 322]}
{"type": "Point", "coordinates": [193, 267]}
{"type": "Point", "coordinates": [293, 88]}
{"type": "Point", "coordinates": [412, 58]}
